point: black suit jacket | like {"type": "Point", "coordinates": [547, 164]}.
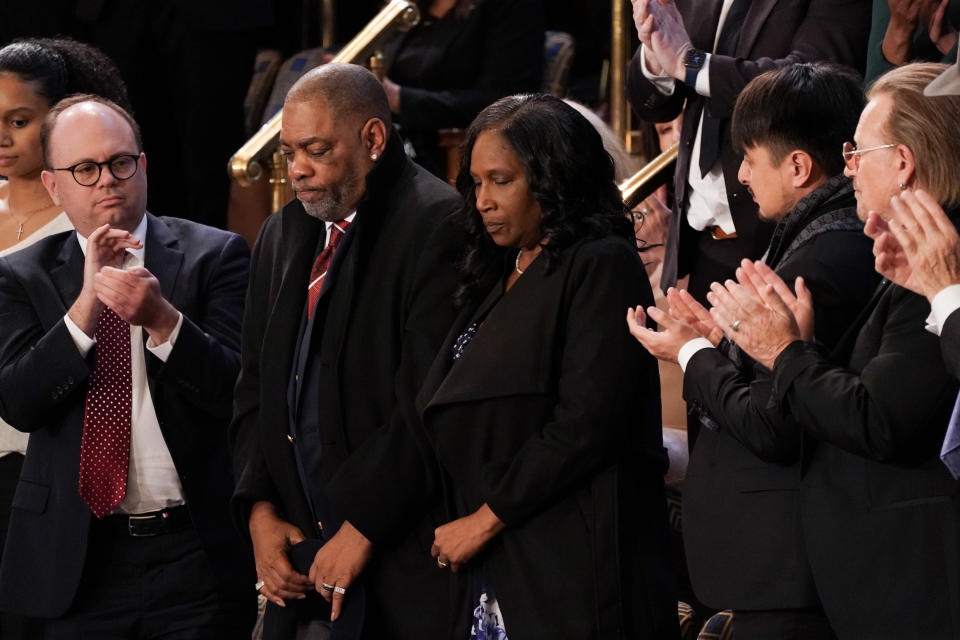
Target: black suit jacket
{"type": "Point", "coordinates": [552, 417]}
{"type": "Point", "coordinates": [741, 501]}
{"type": "Point", "coordinates": [386, 309]}
{"type": "Point", "coordinates": [775, 33]}
{"type": "Point", "coordinates": [880, 512]}
{"type": "Point", "coordinates": [43, 381]}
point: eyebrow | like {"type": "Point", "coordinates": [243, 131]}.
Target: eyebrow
{"type": "Point", "coordinates": [10, 112]}
{"type": "Point", "coordinates": [109, 159]}
{"type": "Point", "coordinates": [302, 144]}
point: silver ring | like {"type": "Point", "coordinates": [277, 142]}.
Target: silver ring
{"type": "Point", "coordinates": [341, 590]}
{"type": "Point", "coordinates": [327, 587]}
{"type": "Point", "coordinates": [259, 585]}
{"type": "Point", "coordinates": [736, 325]}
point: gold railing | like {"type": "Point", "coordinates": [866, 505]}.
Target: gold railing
{"type": "Point", "coordinates": [245, 167]}
{"type": "Point", "coordinates": [644, 182]}
{"type": "Point", "coordinates": [620, 25]}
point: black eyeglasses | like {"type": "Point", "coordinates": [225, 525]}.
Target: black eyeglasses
{"type": "Point", "coordinates": [122, 167]}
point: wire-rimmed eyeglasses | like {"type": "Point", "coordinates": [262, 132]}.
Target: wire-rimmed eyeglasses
{"type": "Point", "coordinates": [122, 166]}
{"type": "Point", "coordinates": [851, 155]}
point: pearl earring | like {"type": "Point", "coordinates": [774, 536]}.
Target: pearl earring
{"type": "Point", "coordinates": [373, 157]}
{"type": "Point", "coordinates": [903, 187]}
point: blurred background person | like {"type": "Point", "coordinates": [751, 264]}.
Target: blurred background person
{"type": "Point", "coordinates": [555, 461]}
{"type": "Point", "coordinates": [460, 57]}
{"type": "Point", "coordinates": [878, 508]}
{"type": "Point", "coordinates": [903, 31]}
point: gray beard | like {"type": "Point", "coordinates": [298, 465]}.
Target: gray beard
{"type": "Point", "coordinates": [336, 204]}
{"type": "Point", "coordinates": [329, 209]}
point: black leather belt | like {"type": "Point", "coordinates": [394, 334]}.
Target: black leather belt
{"type": "Point", "coordinates": [150, 524]}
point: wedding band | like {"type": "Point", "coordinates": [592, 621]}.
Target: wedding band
{"type": "Point", "coordinates": [341, 590]}
{"type": "Point", "coordinates": [736, 325]}
{"type": "Point", "coordinates": [327, 587]}
{"type": "Point", "coordinates": [443, 564]}
{"type": "Point", "coordinates": [259, 585]}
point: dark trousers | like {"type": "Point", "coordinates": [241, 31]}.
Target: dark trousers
{"type": "Point", "coordinates": [13, 626]}
{"type": "Point", "coordinates": [782, 624]}
{"type": "Point", "coordinates": [711, 261]}
{"type": "Point", "coordinates": [149, 588]}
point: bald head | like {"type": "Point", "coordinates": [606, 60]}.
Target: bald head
{"type": "Point", "coordinates": [349, 90]}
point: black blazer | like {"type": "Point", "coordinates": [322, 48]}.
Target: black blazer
{"type": "Point", "coordinates": [741, 500]}
{"type": "Point", "coordinates": [552, 417]}
{"type": "Point", "coordinates": [43, 383]}
{"type": "Point", "coordinates": [386, 310]}
{"type": "Point", "coordinates": [775, 33]}
{"type": "Point", "coordinates": [880, 512]}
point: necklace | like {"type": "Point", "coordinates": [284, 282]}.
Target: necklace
{"type": "Point", "coordinates": [20, 223]}
{"type": "Point", "coordinates": [516, 263]}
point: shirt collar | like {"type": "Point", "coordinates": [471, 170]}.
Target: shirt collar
{"type": "Point", "coordinates": [140, 233]}
{"type": "Point", "coordinates": [349, 220]}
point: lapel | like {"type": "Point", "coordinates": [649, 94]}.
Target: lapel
{"type": "Point", "coordinates": [844, 349]}
{"type": "Point", "coordinates": [164, 258]}
{"type": "Point", "coordinates": [299, 234]}
{"type": "Point", "coordinates": [752, 23]}
{"type": "Point", "coordinates": [703, 17]}
{"type": "Point", "coordinates": [67, 273]}
{"type": "Point", "coordinates": [521, 321]}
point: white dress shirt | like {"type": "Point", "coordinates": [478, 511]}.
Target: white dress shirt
{"type": "Point", "coordinates": [943, 304]}
{"type": "Point", "coordinates": [708, 204]}
{"type": "Point", "coordinates": [152, 479]}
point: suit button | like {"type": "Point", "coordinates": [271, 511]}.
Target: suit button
{"type": "Point", "coordinates": [70, 380]}
{"type": "Point", "coordinates": [291, 438]}
{"type": "Point", "coordinates": [54, 395]}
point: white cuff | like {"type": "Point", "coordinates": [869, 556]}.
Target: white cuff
{"type": "Point", "coordinates": [162, 351]}
{"type": "Point", "coordinates": [703, 78]}
{"type": "Point", "coordinates": [83, 341]}
{"type": "Point", "coordinates": [689, 349]}
{"type": "Point", "coordinates": [943, 304]}
{"type": "Point", "coordinates": [664, 84]}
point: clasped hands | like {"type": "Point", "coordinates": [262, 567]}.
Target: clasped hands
{"type": "Point", "coordinates": [134, 294]}
{"type": "Point", "coordinates": [335, 566]}
{"type": "Point", "coordinates": [758, 312]}
{"type": "Point", "coordinates": [663, 36]}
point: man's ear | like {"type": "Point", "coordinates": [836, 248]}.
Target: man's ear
{"type": "Point", "coordinates": [801, 168]}
{"type": "Point", "coordinates": [50, 182]}
{"type": "Point", "coordinates": [373, 135]}
{"type": "Point", "coordinates": [906, 165]}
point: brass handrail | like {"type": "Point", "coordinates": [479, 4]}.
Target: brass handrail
{"type": "Point", "coordinates": [244, 166]}
{"type": "Point", "coordinates": [645, 181]}
{"type": "Point", "coordinates": [619, 57]}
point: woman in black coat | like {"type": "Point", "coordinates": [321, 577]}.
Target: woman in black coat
{"type": "Point", "coordinates": [543, 412]}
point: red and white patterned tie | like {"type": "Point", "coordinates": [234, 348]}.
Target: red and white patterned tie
{"type": "Point", "coordinates": [322, 264]}
{"type": "Point", "coordinates": [105, 448]}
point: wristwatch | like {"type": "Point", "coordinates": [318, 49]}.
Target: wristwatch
{"type": "Point", "coordinates": [693, 60]}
